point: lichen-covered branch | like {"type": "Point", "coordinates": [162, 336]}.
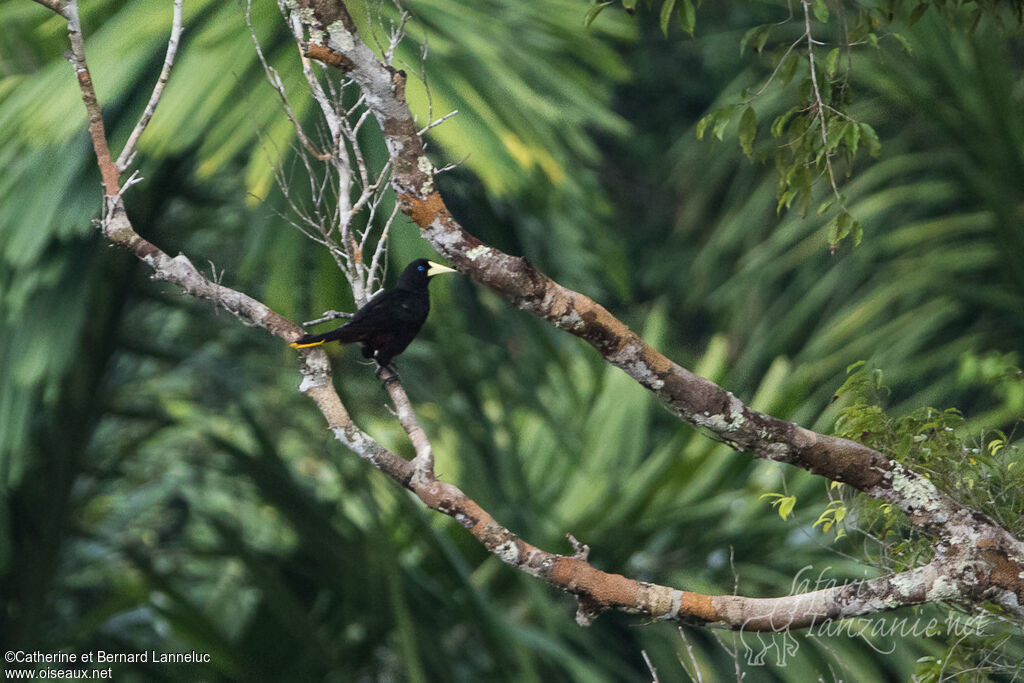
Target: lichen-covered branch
{"type": "Point", "coordinates": [598, 591]}
{"type": "Point", "coordinates": [331, 36]}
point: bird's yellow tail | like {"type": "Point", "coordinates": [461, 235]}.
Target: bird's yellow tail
{"type": "Point", "coordinates": [297, 345]}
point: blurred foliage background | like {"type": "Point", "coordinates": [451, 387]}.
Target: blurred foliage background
{"type": "Point", "coordinates": [164, 486]}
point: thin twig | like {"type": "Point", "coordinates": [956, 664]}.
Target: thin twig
{"type": "Point", "coordinates": [581, 551]}
{"type": "Point", "coordinates": [650, 667]}
{"type": "Point", "coordinates": [128, 153]}
{"type": "Point", "coordinates": [439, 121]}
{"type": "Point", "coordinates": [278, 85]}
{"type": "Point", "coordinates": [328, 315]}
{"type": "Point", "coordinates": [779, 65]}
{"type": "Point", "coordinates": [819, 104]}
{"type": "Point", "coordinates": [696, 675]}
{"type": "Point", "coordinates": [54, 6]}
{"type": "Point", "coordinates": [423, 463]}
{"type": "Point", "coordinates": [111, 176]}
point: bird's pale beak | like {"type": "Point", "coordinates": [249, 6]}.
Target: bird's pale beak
{"type": "Point", "coordinates": [437, 269]}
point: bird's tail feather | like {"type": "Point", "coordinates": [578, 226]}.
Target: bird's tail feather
{"type": "Point", "coordinates": [304, 342]}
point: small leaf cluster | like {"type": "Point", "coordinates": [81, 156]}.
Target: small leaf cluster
{"type": "Point", "coordinates": [832, 516]}
{"type": "Point", "coordinates": [829, 520]}
{"type": "Point", "coordinates": [684, 10]}
{"type": "Point", "coordinates": [980, 470]}
{"type": "Point", "coordinates": [970, 657]}
{"type": "Point", "coordinates": [782, 503]}
{"type": "Point", "coordinates": [815, 138]}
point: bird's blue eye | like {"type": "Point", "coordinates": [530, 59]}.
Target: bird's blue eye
{"type": "Point", "coordinates": [419, 267]}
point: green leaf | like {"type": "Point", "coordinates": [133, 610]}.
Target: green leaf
{"type": "Point", "coordinates": [785, 200]}
{"type": "Point", "coordinates": [593, 12]}
{"type": "Point", "coordinates": [722, 118]}
{"type": "Point", "coordinates": [688, 17]}
{"type": "Point", "coordinates": [752, 35]}
{"type": "Point", "coordinates": [832, 228]}
{"type": "Point", "coordinates": [779, 124]}
{"type": "Point", "coordinates": [870, 139]}
{"type": "Point", "coordinates": [666, 15]}
{"type": "Point", "coordinates": [824, 518]}
{"type": "Point", "coordinates": [820, 11]}
{"type": "Point", "coordinates": [839, 227]}
{"type": "Point", "coordinates": [857, 232]}
{"type": "Point", "coordinates": [917, 13]}
{"type": "Point", "coordinates": [907, 47]}
{"type": "Point", "coordinates": [629, 5]}
{"type": "Point", "coordinates": [702, 125]}
{"type": "Point", "coordinates": [760, 42]}
{"type": "Point", "coordinates": [786, 506]}
{"type": "Point", "coordinates": [831, 60]}
{"type": "Point", "coordinates": [756, 37]}
{"type": "Point", "coordinates": [748, 131]}
{"type": "Point", "coordinates": [851, 135]}
{"type": "Point", "coordinates": [853, 366]}
{"type": "Point", "coordinates": [788, 68]}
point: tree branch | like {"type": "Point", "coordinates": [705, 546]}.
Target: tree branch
{"type": "Point", "coordinates": [111, 176]}
{"type": "Point", "coordinates": [423, 464]}
{"type": "Point", "coordinates": [333, 39]}
{"type": "Point", "coordinates": [54, 6]}
{"type": "Point", "coordinates": [124, 160]}
{"type": "Point", "coordinates": [598, 591]}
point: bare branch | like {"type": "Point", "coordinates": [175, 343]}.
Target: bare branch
{"type": "Point", "coordinates": [275, 81]}
{"type": "Point", "coordinates": [128, 153]}
{"type": "Point", "coordinates": [650, 667]}
{"type": "Point", "coordinates": [328, 315]}
{"type": "Point", "coordinates": [423, 464]}
{"type": "Point", "coordinates": [54, 6]}
{"type": "Point", "coordinates": [376, 274]}
{"type": "Point", "coordinates": [696, 675]}
{"type": "Point", "coordinates": [778, 67]}
{"type": "Point", "coordinates": [111, 176]}
{"type": "Point", "coordinates": [439, 121]}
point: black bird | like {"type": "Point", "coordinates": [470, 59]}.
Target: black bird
{"type": "Point", "coordinates": [389, 321]}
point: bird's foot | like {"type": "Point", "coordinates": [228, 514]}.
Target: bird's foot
{"type": "Point", "coordinates": [390, 376]}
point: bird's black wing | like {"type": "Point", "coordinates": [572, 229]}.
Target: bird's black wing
{"type": "Point", "coordinates": [388, 322]}
{"type": "Point", "coordinates": [383, 312]}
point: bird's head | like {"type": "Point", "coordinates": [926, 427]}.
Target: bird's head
{"type": "Point", "coordinates": [417, 274]}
